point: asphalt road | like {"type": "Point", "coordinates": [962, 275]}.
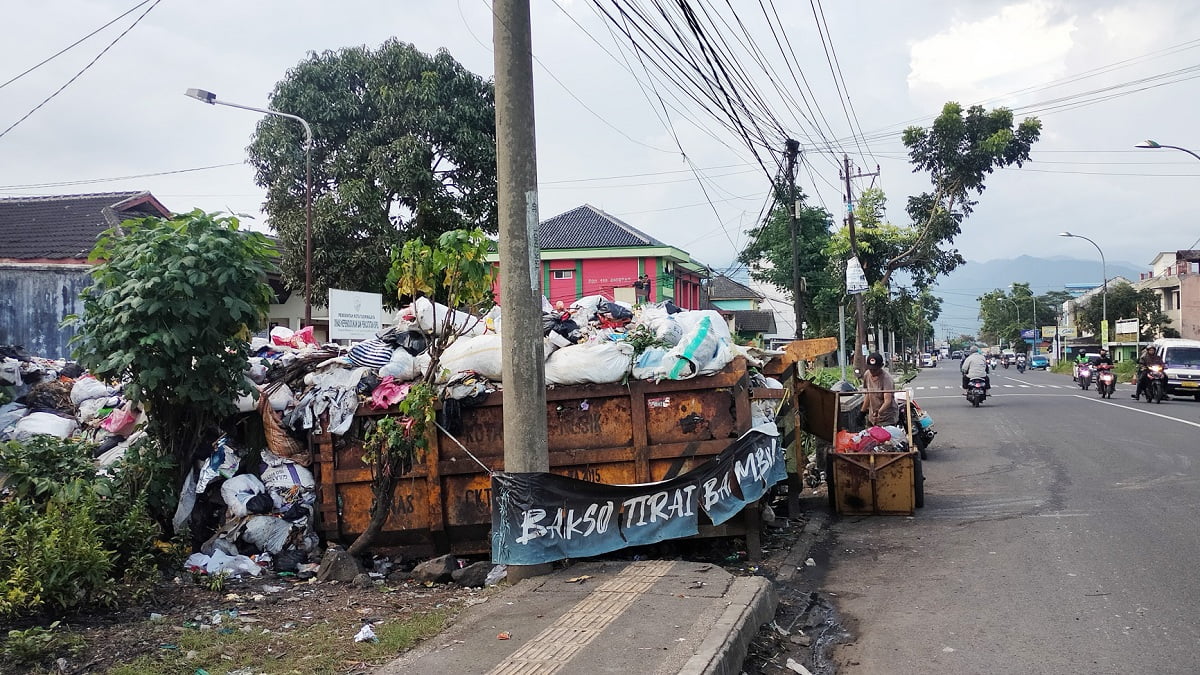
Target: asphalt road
{"type": "Point", "coordinates": [1059, 536]}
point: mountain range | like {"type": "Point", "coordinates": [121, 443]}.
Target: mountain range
{"type": "Point", "coordinates": [960, 289]}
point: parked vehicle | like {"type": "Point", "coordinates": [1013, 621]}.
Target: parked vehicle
{"type": "Point", "coordinates": [928, 361]}
{"type": "Point", "coordinates": [1154, 386]}
{"type": "Point", "coordinates": [1182, 358]}
{"type": "Point", "coordinates": [1039, 362]}
{"type": "Point", "coordinates": [1084, 376]}
{"type": "Point", "coordinates": [1106, 380]}
{"type": "Point", "coordinates": [976, 391]}
{"type": "Point", "coordinates": [920, 422]}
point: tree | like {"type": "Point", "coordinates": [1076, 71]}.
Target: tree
{"type": "Point", "coordinates": [769, 257]}
{"type": "Point", "coordinates": [959, 151]}
{"type": "Point", "coordinates": [170, 310]}
{"type": "Point", "coordinates": [404, 146]}
{"type": "Point", "coordinates": [1125, 302]}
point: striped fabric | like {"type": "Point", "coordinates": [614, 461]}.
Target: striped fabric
{"type": "Point", "coordinates": [373, 353]}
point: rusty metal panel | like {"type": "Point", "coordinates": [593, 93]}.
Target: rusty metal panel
{"type": "Point", "coordinates": [409, 510]}
{"type": "Point", "coordinates": [873, 483]}
{"type": "Point", "coordinates": [683, 416]}
{"type": "Point", "coordinates": [589, 423]}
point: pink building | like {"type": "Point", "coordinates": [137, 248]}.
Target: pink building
{"type": "Point", "coordinates": [586, 251]}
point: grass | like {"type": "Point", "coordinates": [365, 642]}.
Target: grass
{"type": "Point", "coordinates": [318, 649]}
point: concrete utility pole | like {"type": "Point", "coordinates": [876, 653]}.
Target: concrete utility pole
{"type": "Point", "coordinates": [860, 332]}
{"type": "Point", "coordinates": [793, 148]}
{"type": "Point", "coordinates": [526, 448]}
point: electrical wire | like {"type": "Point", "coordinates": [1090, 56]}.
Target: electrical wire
{"type": "Point", "coordinates": [81, 72]}
{"type": "Point", "coordinates": [66, 183]}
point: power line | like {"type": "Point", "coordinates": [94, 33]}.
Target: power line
{"type": "Point", "coordinates": [74, 44]}
{"type": "Point", "coordinates": [35, 186]}
{"type": "Point", "coordinates": [81, 72]}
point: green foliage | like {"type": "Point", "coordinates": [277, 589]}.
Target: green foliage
{"type": "Point", "coordinates": [70, 538]}
{"type": "Point", "coordinates": [456, 272]}
{"type": "Point", "coordinates": [403, 147]}
{"type": "Point", "coordinates": [170, 310]}
{"type": "Point", "coordinates": [39, 646]}
{"type": "Point", "coordinates": [770, 259]}
{"type": "Point", "coordinates": [641, 338]}
{"type": "Point", "coordinates": [1124, 302]}
{"type": "Point", "coordinates": [40, 468]}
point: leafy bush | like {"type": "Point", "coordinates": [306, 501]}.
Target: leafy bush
{"type": "Point", "coordinates": [38, 646]}
{"type": "Point", "coordinates": [71, 538]}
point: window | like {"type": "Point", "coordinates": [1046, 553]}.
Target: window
{"type": "Point", "coordinates": [564, 274]}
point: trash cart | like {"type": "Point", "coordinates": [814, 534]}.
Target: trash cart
{"type": "Point", "coordinates": [873, 480]}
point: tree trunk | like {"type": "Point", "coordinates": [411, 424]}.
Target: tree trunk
{"type": "Point", "coordinates": [381, 505]}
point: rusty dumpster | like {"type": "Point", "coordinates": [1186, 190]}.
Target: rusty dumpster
{"type": "Point", "coordinates": [613, 433]}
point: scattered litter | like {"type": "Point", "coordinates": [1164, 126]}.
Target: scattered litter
{"type": "Point", "coordinates": [496, 575]}
{"type": "Point", "coordinates": [796, 667]}
{"type": "Point", "coordinates": [947, 649]}
{"type": "Point", "coordinates": [779, 629]}
{"type": "Point", "coordinates": [155, 616]}
{"type": "Point", "coordinates": [579, 579]}
{"type": "Point", "coordinates": [810, 563]}
{"type": "Point", "coordinates": [366, 634]}
{"type": "Point", "coordinates": [504, 636]}
{"type": "Point", "coordinates": [268, 588]}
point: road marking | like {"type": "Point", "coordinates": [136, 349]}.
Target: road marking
{"type": "Point", "coordinates": [1010, 386]}
{"type": "Point", "coordinates": [1146, 412]}
{"type": "Point", "coordinates": [1023, 386]}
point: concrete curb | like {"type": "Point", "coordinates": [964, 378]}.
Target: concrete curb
{"type": "Point", "coordinates": [752, 602]}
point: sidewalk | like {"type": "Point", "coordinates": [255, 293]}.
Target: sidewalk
{"type": "Point", "coordinates": [654, 617]}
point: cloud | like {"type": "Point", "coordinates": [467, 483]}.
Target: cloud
{"type": "Point", "coordinates": [1024, 42]}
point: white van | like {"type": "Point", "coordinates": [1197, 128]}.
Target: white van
{"type": "Point", "coordinates": [1182, 358]}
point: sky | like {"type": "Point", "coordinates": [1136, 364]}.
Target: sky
{"type": "Point", "coordinates": [671, 169]}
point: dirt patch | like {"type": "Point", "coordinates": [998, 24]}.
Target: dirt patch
{"type": "Point", "coordinates": [269, 624]}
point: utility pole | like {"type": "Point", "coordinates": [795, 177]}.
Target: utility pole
{"type": "Point", "coordinates": [860, 333]}
{"type": "Point", "coordinates": [526, 448]}
{"type": "Point", "coordinates": [793, 148]}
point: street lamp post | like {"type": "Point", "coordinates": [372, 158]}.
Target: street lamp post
{"type": "Point", "coordinates": [1153, 145]}
{"type": "Point", "coordinates": [211, 99]}
{"type": "Point", "coordinates": [1103, 270]}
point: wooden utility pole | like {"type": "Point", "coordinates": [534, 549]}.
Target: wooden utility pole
{"type": "Point", "coordinates": [526, 448]}
{"type": "Point", "coordinates": [793, 148]}
{"type": "Point", "coordinates": [860, 332]}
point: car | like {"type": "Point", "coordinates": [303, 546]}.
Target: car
{"type": "Point", "coordinates": [1182, 358]}
{"type": "Point", "coordinates": [928, 361]}
{"type": "Point", "coordinates": [1039, 362]}
{"type": "Point", "coordinates": [957, 355]}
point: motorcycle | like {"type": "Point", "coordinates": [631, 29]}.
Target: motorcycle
{"type": "Point", "coordinates": [1006, 364]}
{"type": "Point", "coordinates": [1020, 366]}
{"type": "Point", "coordinates": [1085, 376]}
{"type": "Point", "coordinates": [976, 391]}
{"type": "Point", "coordinates": [1154, 384]}
{"type": "Point", "coordinates": [1106, 380]}
{"type": "Point", "coordinates": [920, 423]}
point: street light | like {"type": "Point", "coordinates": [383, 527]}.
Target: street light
{"type": "Point", "coordinates": [1103, 265]}
{"type": "Point", "coordinates": [1154, 145]}
{"type": "Point", "coordinates": [211, 99]}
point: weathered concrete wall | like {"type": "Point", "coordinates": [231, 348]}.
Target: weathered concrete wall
{"type": "Point", "coordinates": [34, 299]}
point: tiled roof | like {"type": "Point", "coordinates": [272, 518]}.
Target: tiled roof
{"type": "Point", "coordinates": [588, 227]}
{"type": "Point", "coordinates": [65, 227]}
{"type": "Point", "coordinates": [754, 321]}
{"type": "Point", "coordinates": [723, 288]}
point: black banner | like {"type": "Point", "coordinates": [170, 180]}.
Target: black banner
{"type": "Point", "coordinates": [543, 517]}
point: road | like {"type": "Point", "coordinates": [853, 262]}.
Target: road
{"type": "Point", "coordinates": [1058, 536]}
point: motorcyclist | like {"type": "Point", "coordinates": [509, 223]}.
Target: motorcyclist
{"type": "Point", "coordinates": [1021, 362]}
{"type": "Point", "coordinates": [975, 366]}
{"type": "Point", "coordinates": [1149, 358]}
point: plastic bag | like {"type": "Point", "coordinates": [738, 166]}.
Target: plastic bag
{"type": "Point", "coordinates": [482, 354]}
{"type": "Point", "coordinates": [267, 533]}
{"type": "Point", "coordinates": [410, 340]}
{"type": "Point", "coordinates": [10, 372]}
{"type": "Point", "coordinates": [220, 561]}
{"type": "Point", "coordinates": [43, 424]}
{"type": "Point", "coordinates": [590, 363]}
{"type": "Point", "coordinates": [86, 388]}
{"type": "Point", "coordinates": [584, 309]}
{"type": "Point", "coordinates": [389, 393]}
{"type": "Point", "coordinates": [648, 364]}
{"type": "Point", "coordinates": [222, 463]}
{"type": "Point", "coordinates": [373, 353]}
{"type": "Point", "coordinates": [431, 318]}
{"type": "Point", "coordinates": [401, 367]}
{"type": "Point", "coordinates": [285, 337]}
{"type": "Point", "coordinates": [240, 490]}
{"type": "Point", "coordinates": [121, 421]}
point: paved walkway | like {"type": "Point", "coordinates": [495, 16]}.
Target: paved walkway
{"type": "Point", "coordinates": [652, 618]}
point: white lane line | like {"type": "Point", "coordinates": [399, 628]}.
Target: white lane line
{"type": "Point", "coordinates": [1023, 386]}
{"type": "Point", "coordinates": [919, 388]}
{"type": "Point", "coordinates": [1010, 386]}
{"type": "Point", "coordinates": [1145, 412]}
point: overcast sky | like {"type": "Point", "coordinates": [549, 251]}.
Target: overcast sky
{"type": "Point", "coordinates": [602, 141]}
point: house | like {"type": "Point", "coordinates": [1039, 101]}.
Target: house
{"type": "Point", "coordinates": [586, 251]}
{"type": "Point", "coordinates": [1175, 277]}
{"type": "Point", "coordinates": [739, 304]}
{"type": "Point", "coordinates": [44, 247]}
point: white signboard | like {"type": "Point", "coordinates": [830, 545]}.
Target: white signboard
{"type": "Point", "coordinates": [856, 279]}
{"type": "Point", "coordinates": [1127, 326]}
{"type": "Point", "coordinates": [354, 315]}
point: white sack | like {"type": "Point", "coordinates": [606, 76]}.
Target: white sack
{"type": "Point", "coordinates": [590, 363]}
{"type": "Point", "coordinates": [10, 372]}
{"type": "Point", "coordinates": [266, 533]}
{"type": "Point", "coordinates": [690, 320]}
{"type": "Point", "coordinates": [88, 388]}
{"type": "Point", "coordinates": [583, 309]}
{"type": "Point", "coordinates": [702, 351]}
{"type": "Point", "coordinates": [481, 353]}
{"type": "Point", "coordinates": [223, 562]}
{"type": "Point", "coordinates": [431, 318]}
{"type": "Point", "coordinates": [238, 490]}
{"type": "Point", "coordinates": [289, 483]}
{"type": "Point", "coordinates": [402, 367]}
{"type": "Point", "coordinates": [648, 364]}
{"type": "Point", "coordinates": [43, 424]}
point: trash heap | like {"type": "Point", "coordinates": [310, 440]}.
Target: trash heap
{"type": "Point", "coordinates": [872, 439]}
{"type": "Point", "coordinates": [249, 502]}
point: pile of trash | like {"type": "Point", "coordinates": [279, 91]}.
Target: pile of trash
{"type": "Point", "coordinates": [872, 439]}
{"type": "Point", "coordinates": [55, 397]}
